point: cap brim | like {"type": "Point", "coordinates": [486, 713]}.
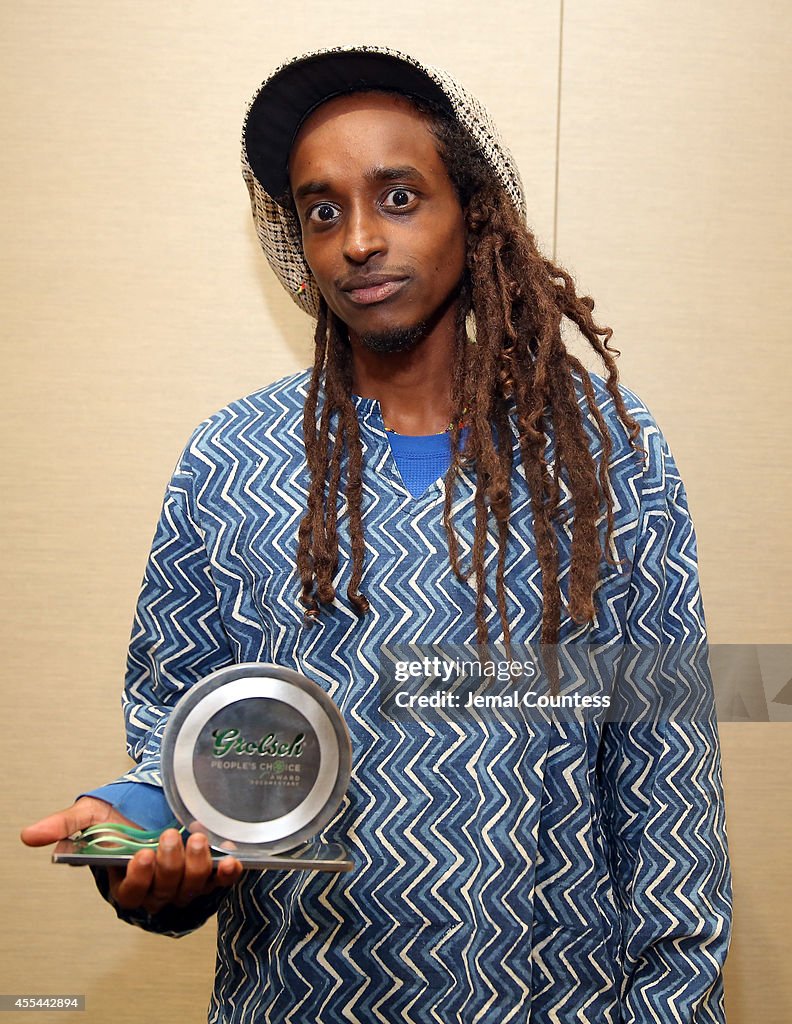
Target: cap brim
{"type": "Point", "coordinates": [286, 99]}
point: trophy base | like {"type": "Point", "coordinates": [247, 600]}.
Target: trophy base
{"type": "Point", "coordinates": [315, 856]}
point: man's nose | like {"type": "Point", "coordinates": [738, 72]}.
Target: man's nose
{"type": "Point", "coordinates": [364, 236]}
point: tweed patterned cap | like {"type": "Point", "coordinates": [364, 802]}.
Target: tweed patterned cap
{"type": "Point", "coordinates": [297, 88]}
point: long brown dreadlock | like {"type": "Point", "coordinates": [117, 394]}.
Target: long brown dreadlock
{"type": "Point", "coordinates": [519, 366]}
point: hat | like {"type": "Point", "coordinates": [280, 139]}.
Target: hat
{"type": "Point", "coordinates": [295, 90]}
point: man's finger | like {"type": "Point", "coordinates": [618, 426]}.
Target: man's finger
{"type": "Point", "coordinates": [169, 867]}
{"type": "Point", "coordinates": [48, 830]}
{"type": "Point", "coordinates": [130, 890]}
{"type": "Point", "coordinates": [226, 872]}
{"type": "Point", "coordinates": [198, 869]}
{"type": "Point", "coordinates": [229, 870]}
{"type": "Point", "coordinates": [86, 811]}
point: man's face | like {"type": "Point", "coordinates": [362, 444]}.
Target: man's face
{"type": "Point", "coordinates": [383, 231]}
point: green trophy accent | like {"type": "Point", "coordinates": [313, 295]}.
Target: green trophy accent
{"type": "Point", "coordinates": [227, 741]}
{"type": "Point", "coordinates": [114, 837]}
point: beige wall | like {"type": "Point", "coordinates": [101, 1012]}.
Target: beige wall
{"type": "Point", "coordinates": [135, 302]}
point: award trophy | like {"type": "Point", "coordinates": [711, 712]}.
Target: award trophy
{"type": "Point", "coordinates": [257, 758]}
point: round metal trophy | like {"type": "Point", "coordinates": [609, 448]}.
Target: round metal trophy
{"type": "Point", "coordinates": [258, 757]}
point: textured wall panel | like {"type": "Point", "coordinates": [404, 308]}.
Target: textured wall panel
{"type": "Point", "coordinates": [674, 208]}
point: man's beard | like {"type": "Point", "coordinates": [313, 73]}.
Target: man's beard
{"type": "Point", "coordinates": [397, 339]}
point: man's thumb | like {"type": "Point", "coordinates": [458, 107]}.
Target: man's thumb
{"type": "Point", "coordinates": [85, 812]}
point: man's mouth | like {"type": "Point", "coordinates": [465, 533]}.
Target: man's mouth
{"type": "Point", "coordinates": [364, 291]}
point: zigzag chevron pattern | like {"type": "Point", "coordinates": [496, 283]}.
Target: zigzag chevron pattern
{"type": "Point", "coordinates": [516, 871]}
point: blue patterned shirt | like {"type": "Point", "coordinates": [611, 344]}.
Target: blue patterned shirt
{"type": "Point", "coordinates": [519, 871]}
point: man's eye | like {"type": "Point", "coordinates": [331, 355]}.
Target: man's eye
{"type": "Point", "coordinates": [324, 213]}
{"type": "Point", "coordinates": [399, 197]}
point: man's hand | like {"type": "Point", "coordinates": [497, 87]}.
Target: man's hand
{"type": "Point", "coordinates": [171, 874]}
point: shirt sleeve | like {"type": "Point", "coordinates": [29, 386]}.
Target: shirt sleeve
{"type": "Point", "coordinates": [140, 802]}
{"type": "Point", "coordinates": [661, 782]}
{"type": "Point", "coordinates": [178, 635]}
{"type": "Point", "coordinates": [177, 639]}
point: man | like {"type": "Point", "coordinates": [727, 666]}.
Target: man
{"type": "Point", "coordinates": [447, 473]}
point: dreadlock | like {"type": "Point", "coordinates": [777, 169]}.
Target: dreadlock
{"type": "Point", "coordinates": [518, 366]}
